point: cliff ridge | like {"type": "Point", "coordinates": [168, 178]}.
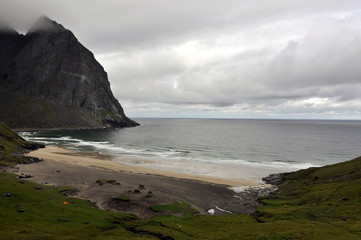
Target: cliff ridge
{"type": "Point", "coordinates": [48, 79]}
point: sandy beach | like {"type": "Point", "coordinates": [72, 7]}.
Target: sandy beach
{"type": "Point", "coordinates": [100, 180]}
{"type": "Point", "coordinates": [95, 160]}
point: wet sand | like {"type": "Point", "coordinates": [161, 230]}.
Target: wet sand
{"type": "Point", "coordinates": [95, 160]}
{"type": "Point", "coordinates": [84, 170]}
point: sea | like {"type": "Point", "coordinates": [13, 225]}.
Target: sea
{"type": "Point", "coordinates": [231, 148]}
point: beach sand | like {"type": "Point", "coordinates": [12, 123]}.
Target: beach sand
{"type": "Point", "coordinates": [96, 160]}
{"type": "Point", "coordinates": [84, 170]}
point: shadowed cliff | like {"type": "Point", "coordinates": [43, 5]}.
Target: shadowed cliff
{"type": "Point", "coordinates": [50, 80]}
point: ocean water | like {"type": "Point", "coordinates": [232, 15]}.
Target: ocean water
{"type": "Point", "coordinates": [218, 147]}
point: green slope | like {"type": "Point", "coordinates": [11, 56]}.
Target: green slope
{"type": "Point", "coordinates": [11, 145]}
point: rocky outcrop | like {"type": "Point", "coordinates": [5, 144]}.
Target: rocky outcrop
{"type": "Point", "coordinates": [49, 80]}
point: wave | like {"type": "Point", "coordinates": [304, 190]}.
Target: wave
{"type": "Point", "coordinates": [162, 154]}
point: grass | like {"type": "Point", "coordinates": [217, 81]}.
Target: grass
{"type": "Point", "coordinates": [106, 181]}
{"type": "Point", "coordinates": [46, 217]}
{"type": "Point", "coordinates": [178, 206]}
{"type": "Point", "coordinates": [10, 143]}
{"type": "Point", "coordinates": [123, 198]}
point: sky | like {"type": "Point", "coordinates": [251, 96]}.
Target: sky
{"type": "Point", "coordinates": [287, 59]}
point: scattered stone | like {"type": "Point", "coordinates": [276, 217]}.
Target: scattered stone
{"type": "Point", "coordinates": [8, 194]}
{"type": "Point", "coordinates": [57, 171]}
{"type": "Point", "coordinates": [69, 192]}
{"type": "Point", "coordinates": [344, 199]}
{"type": "Point", "coordinates": [39, 188]}
{"type": "Point", "coordinates": [141, 186]}
{"type": "Point", "coordinates": [21, 210]}
{"type": "Point", "coordinates": [106, 181]}
{"type": "Point", "coordinates": [63, 220]}
{"type": "Point", "coordinates": [26, 176]}
{"type": "Point", "coordinates": [136, 191]}
{"type": "Point", "coordinates": [211, 211]}
{"type": "Point", "coordinates": [275, 179]}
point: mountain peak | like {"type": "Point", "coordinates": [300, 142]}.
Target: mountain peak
{"type": "Point", "coordinates": [45, 24]}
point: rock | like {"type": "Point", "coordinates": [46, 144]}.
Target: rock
{"type": "Point", "coordinates": [211, 211]}
{"type": "Point", "coordinates": [26, 176]}
{"type": "Point", "coordinates": [8, 194]}
{"type": "Point", "coordinates": [136, 191]}
{"type": "Point", "coordinates": [63, 220]}
{"type": "Point", "coordinates": [141, 186]}
{"type": "Point", "coordinates": [275, 179]}
{"type": "Point", "coordinates": [21, 210]}
{"type": "Point", "coordinates": [56, 82]}
{"type": "Point", "coordinates": [39, 188]}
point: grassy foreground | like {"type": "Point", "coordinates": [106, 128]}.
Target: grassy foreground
{"type": "Point", "coordinates": [317, 203]}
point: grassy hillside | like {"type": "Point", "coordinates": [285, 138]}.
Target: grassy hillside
{"type": "Point", "coordinates": [317, 203]}
{"type": "Point", "coordinates": [11, 146]}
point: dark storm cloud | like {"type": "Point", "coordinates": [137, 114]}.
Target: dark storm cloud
{"type": "Point", "coordinates": [232, 58]}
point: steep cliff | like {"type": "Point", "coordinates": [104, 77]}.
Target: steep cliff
{"type": "Point", "coordinates": [49, 80]}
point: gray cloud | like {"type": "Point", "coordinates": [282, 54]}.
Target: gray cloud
{"type": "Point", "coordinates": [218, 58]}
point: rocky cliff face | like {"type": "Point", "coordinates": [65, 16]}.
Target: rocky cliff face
{"type": "Point", "coordinates": [49, 80]}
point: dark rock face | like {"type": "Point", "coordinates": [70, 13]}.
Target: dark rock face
{"type": "Point", "coordinates": [49, 80]}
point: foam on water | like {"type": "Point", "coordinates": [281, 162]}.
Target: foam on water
{"type": "Point", "coordinates": [164, 156]}
{"type": "Point", "coordinates": [223, 147]}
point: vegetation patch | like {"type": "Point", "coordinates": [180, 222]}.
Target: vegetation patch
{"type": "Point", "coordinates": [11, 147]}
{"type": "Point", "coordinates": [106, 181]}
{"type": "Point", "coordinates": [123, 199]}
{"type": "Point", "coordinates": [179, 206]}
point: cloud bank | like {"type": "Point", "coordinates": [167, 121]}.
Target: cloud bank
{"type": "Point", "coordinates": [279, 59]}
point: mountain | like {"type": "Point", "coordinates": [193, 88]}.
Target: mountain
{"type": "Point", "coordinates": [50, 80]}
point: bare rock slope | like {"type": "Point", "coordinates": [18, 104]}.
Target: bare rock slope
{"type": "Point", "coordinates": [48, 79]}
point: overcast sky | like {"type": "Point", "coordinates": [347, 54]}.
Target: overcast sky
{"type": "Point", "coordinates": [218, 58]}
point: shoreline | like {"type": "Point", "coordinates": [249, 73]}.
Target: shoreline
{"type": "Point", "coordinates": [102, 161]}
{"type": "Point", "coordinates": [100, 180]}
{"type": "Point", "coordinates": [54, 129]}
